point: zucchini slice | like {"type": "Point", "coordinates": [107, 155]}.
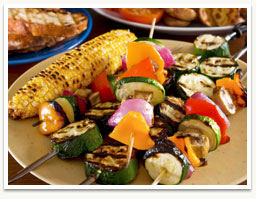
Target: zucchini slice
{"type": "Point", "coordinates": [188, 84]}
{"type": "Point", "coordinates": [166, 156]}
{"type": "Point", "coordinates": [108, 164]}
{"type": "Point", "coordinates": [100, 113]}
{"type": "Point", "coordinates": [76, 138]}
{"type": "Point", "coordinates": [218, 67]}
{"type": "Point", "coordinates": [172, 109]}
{"type": "Point", "coordinates": [70, 107]}
{"type": "Point", "coordinates": [184, 63]}
{"type": "Point", "coordinates": [208, 45]}
{"type": "Point", "coordinates": [127, 88]}
{"type": "Point", "coordinates": [205, 125]}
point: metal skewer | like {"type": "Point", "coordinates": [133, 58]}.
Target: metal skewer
{"type": "Point", "coordinates": [32, 166]}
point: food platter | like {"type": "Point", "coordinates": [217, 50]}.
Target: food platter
{"type": "Point", "coordinates": [194, 29]}
{"type": "Point", "coordinates": [226, 166]}
{"type": "Point", "coordinates": [24, 58]}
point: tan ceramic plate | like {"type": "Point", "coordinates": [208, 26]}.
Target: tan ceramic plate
{"type": "Point", "coordinates": [226, 166]}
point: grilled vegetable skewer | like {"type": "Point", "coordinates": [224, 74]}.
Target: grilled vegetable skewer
{"type": "Point", "coordinates": [71, 141]}
{"type": "Point", "coordinates": [107, 164]}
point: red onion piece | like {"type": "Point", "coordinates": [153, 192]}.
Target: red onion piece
{"type": "Point", "coordinates": [124, 63]}
{"type": "Point", "coordinates": [66, 92]}
{"type": "Point", "coordinates": [138, 105]}
{"type": "Point", "coordinates": [166, 55]}
{"type": "Point", "coordinates": [202, 96]}
{"type": "Point", "coordinates": [190, 171]}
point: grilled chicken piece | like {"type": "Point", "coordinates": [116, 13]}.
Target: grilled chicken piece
{"type": "Point", "coordinates": [45, 22]}
{"type": "Point", "coordinates": [171, 21]}
{"type": "Point", "coordinates": [185, 14]}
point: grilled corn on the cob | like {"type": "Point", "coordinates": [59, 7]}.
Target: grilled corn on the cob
{"type": "Point", "coordinates": [76, 69]}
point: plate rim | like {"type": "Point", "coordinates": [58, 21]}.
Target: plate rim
{"type": "Point", "coordinates": [84, 35]}
{"type": "Point", "coordinates": [163, 28]}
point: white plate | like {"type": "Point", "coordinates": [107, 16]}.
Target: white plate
{"type": "Point", "coordinates": [194, 29]}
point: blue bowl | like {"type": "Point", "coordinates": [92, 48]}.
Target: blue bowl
{"type": "Point", "coordinates": [24, 58]}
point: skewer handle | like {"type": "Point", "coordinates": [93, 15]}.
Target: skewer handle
{"type": "Point", "coordinates": [152, 28]}
{"type": "Point", "coordinates": [237, 32]}
{"type": "Point", "coordinates": [32, 166]}
{"type": "Point", "coordinates": [129, 151]}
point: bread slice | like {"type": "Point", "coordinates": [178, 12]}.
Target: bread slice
{"type": "Point", "coordinates": [26, 43]}
{"type": "Point", "coordinates": [205, 15]}
{"type": "Point", "coordinates": [42, 22]}
{"type": "Point", "coordinates": [171, 21]}
{"type": "Point", "coordinates": [225, 16]}
{"type": "Point", "coordinates": [185, 14]}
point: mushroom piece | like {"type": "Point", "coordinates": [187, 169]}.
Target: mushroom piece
{"type": "Point", "coordinates": [223, 99]}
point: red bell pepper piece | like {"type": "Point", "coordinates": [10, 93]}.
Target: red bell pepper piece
{"type": "Point", "coordinates": [201, 107]}
{"type": "Point", "coordinates": [102, 85]}
{"type": "Point", "coordinates": [143, 69]}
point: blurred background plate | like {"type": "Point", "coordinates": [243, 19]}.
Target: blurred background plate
{"type": "Point", "coordinates": [194, 29]}
{"type": "Point", "coordinates": [16, 59]}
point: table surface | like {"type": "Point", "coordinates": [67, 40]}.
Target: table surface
{"type": "Point", "coordinates": [100, 25]}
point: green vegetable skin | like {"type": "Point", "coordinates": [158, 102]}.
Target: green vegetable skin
{"type": "Point", "coordinates": [74, 146]}
{"type": "Point", "coordinates": [206, 125]}
{"type": "Point", "coordinates": [221, 51]}
{"type": "Point", "coordinates": [108, 177]}
{"type": "Point", "coordinates": [125, 87]}
{"type": "Point", "coordinates": [107, 164]}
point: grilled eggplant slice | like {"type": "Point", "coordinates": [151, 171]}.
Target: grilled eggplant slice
{"type": "Point", "coordinates": [188, 84]}
{"type": "Point", "coordinates": [184, 63]}
{"type": "Point", "coordinates": [166, 156]}
{"type": "Point", "coordinates": [101, 112]}
{"type": "Point", "coordinates": [76, 139]}
{"type": "Point", "coordinates": [108, 165]}
{"type": "Point", "coordinates": [160, 130]}
{"type": "Point", "coordinates": [172, 109]}
{"type": "Point", "coordinates": [218, 67]}
{"type": "Point", "coordinates": [208, 45]}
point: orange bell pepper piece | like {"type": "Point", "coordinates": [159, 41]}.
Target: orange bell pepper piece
{"type": "Point", "coordinates": [133, 123]}
{"type": "Point", "coordinates": [143, 69]}
{"type": "Point", "coordinates": [184, 145]}
{"type": "Point", "coordinates": [138, 51]}
{"type": "Point", "coordinates": [235, 88]}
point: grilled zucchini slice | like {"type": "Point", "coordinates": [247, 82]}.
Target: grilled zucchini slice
{"type": "Point", "coordinates": [208, 45]}
{"type": "Point", "coordinates": [108, 164]}
{"type": "Point", "coordinates": [76, 139]}
{"type": "Point", "coordinates": [70, 107]}
{"type": "Point", "coordinates": [218, 67]}
{"type": "Point", "coordinates": [166, 156]}
{"type": "Point", "coordinates": [205, 125]}
{"type": "Point", "coordinates": [184, 63]}
{"type": "Point", "coordinates": [100, 113]}
{"type": "Point", "coordinates": [127, 87]}
{"type": "Point", "coordinates": [188, 84]}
